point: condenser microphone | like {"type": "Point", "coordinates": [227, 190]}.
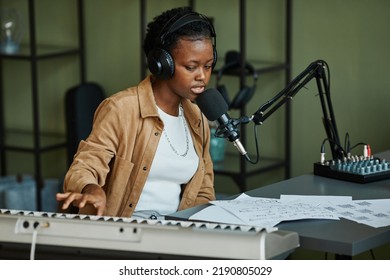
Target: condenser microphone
{"type": "Point", "coordinates": [214, 107]}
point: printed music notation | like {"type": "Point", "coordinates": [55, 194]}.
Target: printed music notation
{"type": "Point", "coordinates": [268, 212]}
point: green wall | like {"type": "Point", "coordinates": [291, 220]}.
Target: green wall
{"type": "Point", "coordinates": [351, 35]}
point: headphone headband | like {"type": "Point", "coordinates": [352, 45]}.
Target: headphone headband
{"type": "Point", "coordinates": [160, 61]}
{"type": "Point", "coordinates": [174, 24]}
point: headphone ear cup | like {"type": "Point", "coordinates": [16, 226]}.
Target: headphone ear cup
{"type": "Point", "coordinates": [222, 89]}
{"type": "Point", "coordinates": [242, 98]}
{"type": "Point", "coordinates": [161, 64]}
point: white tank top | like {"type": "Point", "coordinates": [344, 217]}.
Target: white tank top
{"type": "Point", "coordinates": [174, 163]}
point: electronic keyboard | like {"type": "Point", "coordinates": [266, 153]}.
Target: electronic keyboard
{"type": "Point", "coordinates": [115, 237]}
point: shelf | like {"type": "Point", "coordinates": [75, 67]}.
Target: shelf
{"type": "Point", "coordinates": [235, 166]}
{"type": "Point", "coordinates": [259, 65]}
{"type": "Point", "coordinates": [43, 51]}
{"type": "Point", "coordinates": [37, 141]}
{"type": "Point", "coordinates": [17, 140]}
{"type": "Point", "coordinates": [231, 165]}
{"type": "Point", "coordinates": [267, 66]}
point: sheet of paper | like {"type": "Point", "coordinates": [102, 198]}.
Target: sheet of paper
{"type": "Point", "coordinates": [316, 199]}
{"type": "Point", "coordinates": [219, 215]}
{"type": "Point", "coordinates": [259, 210]}
{"type": "Point", "coordinates": [374, 213]}
{"type": "Point", "coordinates": [216, 214]}
{"type": "Point", "coordinates": [268, 212]}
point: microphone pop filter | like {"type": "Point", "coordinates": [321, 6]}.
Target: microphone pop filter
{"type": "Point", "coordinates": [212, 104]}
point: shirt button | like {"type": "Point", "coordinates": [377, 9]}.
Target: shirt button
{"type": "Point", "coordinates": [156, 133]}
{"type": "Point", "coordinates": [144, 168]}
{"type": "Point", "coordinates": [131, 205]}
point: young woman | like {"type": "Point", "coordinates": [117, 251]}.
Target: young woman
{"type": "Point", "coordinates": [148, 152]}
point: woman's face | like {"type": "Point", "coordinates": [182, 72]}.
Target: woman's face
{"type": "Point", "coordinates": [193, 66]}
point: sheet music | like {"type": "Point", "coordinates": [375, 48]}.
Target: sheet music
{"type": "Point", "coordinates": [264, 212]}
{"type": "Point", "coordinates": [316, 199]}
{"type": "Point", "coordinates": [374, 213]}
{"type": "Point", "coordinates": [268, 212]}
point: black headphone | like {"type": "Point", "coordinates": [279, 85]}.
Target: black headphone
{"type": "Point", "coordinates": [160, 61]}
{"type": "Point", "coordinates": [246, 93]}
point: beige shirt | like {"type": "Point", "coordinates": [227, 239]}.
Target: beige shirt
{"type": "Point", "coordinates": [118, 153]}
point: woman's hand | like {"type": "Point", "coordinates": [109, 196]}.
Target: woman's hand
{"type": "Point", "coordinates": [91, 194]}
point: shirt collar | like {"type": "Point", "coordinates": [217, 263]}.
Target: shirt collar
{"type": "Point", "coordinates": [146, 99]}
{"type": "Point", "coordinates": [149, 109]}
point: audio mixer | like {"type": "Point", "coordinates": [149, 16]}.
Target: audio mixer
{"type": "Point", "coordinates": [356, 169]}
